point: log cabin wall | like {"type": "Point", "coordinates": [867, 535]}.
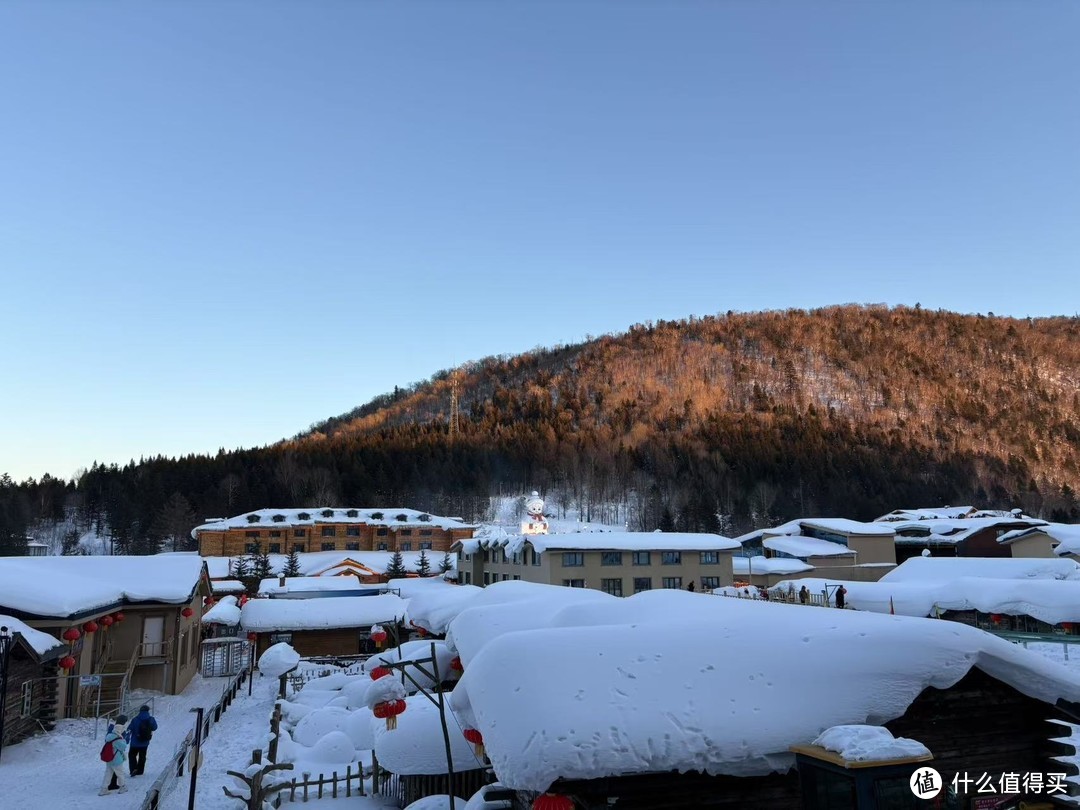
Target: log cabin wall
{"type": "Point", "coordinates": [22, 669]}
{"type": "Point", "coordinates": [279, 538]}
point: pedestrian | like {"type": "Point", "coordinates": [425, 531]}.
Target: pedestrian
{"type": "Point", "coordinates": [690, 587]}
{"type": "Point", "coordinates": [804, 595]}
{"type": "Point", "coordinates": [114, 755]}
{"type": "Point", "coordinates": [140, 731]}
{"type": "Point", "coordinates": [841, 593]}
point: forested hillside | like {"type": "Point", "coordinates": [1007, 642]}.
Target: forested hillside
{"type": "Point", "coordinates": [717, 424]}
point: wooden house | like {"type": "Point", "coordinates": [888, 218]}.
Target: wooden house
{"type": "Point", "coordinates": [30, 704]}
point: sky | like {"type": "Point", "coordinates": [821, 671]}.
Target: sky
{"type": "Point", "coordinates": [221, 222]}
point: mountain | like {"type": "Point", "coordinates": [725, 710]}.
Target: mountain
{"type": "Point", "coordinates": [717, 423]}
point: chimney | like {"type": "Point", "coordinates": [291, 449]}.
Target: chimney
{"type": "Point", "coordinates": [281, 581]}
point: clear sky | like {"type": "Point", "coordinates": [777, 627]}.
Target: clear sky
{"type": "Point", "coordinates": [223, 221]}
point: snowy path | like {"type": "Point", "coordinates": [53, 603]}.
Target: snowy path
{"type": "Point", "coordinates": [66, 761]}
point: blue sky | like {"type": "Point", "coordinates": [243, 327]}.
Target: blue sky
{"type": "Point", "coordinates": [223, 221]}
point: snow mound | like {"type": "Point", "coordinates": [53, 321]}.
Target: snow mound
{"type": "Point", "coordinates": [336, 747]}
{"type": "Point", "coordinates": [293, 713]}
{"type": "Point", "coordinates": [868, 743]}
{"type": "Point", "coordinates": [418, 650]}
{"type": "Point", "coordinates": [417, 746]}
{"type": "Point", "coordinates": [358, 727]}
{"type": "Point", "coordinates": [356, 691]}
{"type": "Point", "coordinates": [327, 682]}
{"type": "Point", "coordinates": [480, 802]}
{"type": "Point", "coordinates": [319, 723]}
{"type": "Point", "coordinates": [385, 689]}
{"type": "Point", "coordinates": [278, 660]}
{"type": "Point", "coordinates": [437, 803]}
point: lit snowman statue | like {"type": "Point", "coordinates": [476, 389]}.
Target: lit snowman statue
{"type": "Point", "coordinates": [534, 508]}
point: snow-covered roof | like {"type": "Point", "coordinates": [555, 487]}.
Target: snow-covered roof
{"type": "Point", "coordinates": [602, 541]}
{"type": "Point", "coordinates": [327, 563]}
{"type": "Point", "coordinates": [65, 586]}
{"type": "Point", "coordinates": [861, 743]}
{"type": "Point", "coordinates": [41, 643]}
{"type": "Point", "coordinates": [920, 532]}
{"type": "Point", "coordinates": [263, 615]}
{"type": "Point", "coordinates": [802, 547]}
{"type": "Point", "coordinates": [417, 747]}
{"type": "Point", "coordinates": [225, 612]}
{"type": "Point", "coordinates": [768, 565]}
{"type": "Point", "coordinates": [928, 569]}
{"type": "Point", "coordinates": [1066, 536]}
{"type": "Point", "coordinates": [436, 607]}
{"type": "Point", "coordinates": [228, 586]}
{"type": "Point", "coordinates": [1049, 600]}
{"type": "Point", "coordinates": [375, 516]}
{"type": "Point", "coordinates": [940, 513]}
{"type": "Point", "coordinates": [852, 528]}
{"type": "Point", "coordinates": [647, 696]}
{"type": "Point", "coordinates": [312, 585]}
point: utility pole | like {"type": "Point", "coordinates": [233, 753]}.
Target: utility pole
{"type": "Point", "coordinates": [195, 757]}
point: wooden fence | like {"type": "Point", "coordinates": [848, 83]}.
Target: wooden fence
{"type": "Point", "coordinates": [174, 770]}
{"type": "Point", "coordinates": [318, 785]}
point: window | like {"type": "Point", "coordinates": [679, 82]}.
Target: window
{"type": "Point", "coordinates": [573, 583]}
{"type": "Point", "coordinates": [572, 559]}
{"type": "Point", "coordinates": [382, 532]}
{"type": "Point", "coordinates": [612, 586]}
{"type": "Point", "coordinates": [251, 548]}
{"type": "Point", "coordinates": [328, 546]}
{"type": "Point", "coordinates": [251, 534]}
{"type": "Point", "coordinates": [275, 548]}
{"type": "Point", "coordinates": [406, 546]}
{"type": "Point", "coordinates": [642, 558]}
{"type": "Point", "coordinates": [487, 577]}
{"type": "Point", "coordinates": [425, 532]}
{"type": "Point", "coordinates": [536, 557]}
{"type": "Point", "coordinates": [672, 582]}
{"type": "Point", "coordinates": [468, 558]}
{"type": "Point", "coordinates": [27, 699]}
{"type": "Point", "coordinates": [710, 558]}
{"type": "Point", "coordinates": [304, 516]}
{"type": "Point", "coordinates": [506, 577]}
{"type": "Point", "coordinates": [710, 583]}
{"type": "Point", "coordinates": [516, 558]}
{"type": "Point", "coordinates": [516, 576]}
{"type": "Point", "coordinates": [425, 545]}
{"type": "Point", "coordinates": [405, 532]}
{"type": "Point", "coordinates": [611, 558]}
{"type": "Point", "coordinates": [301, 547]}
{"type": "Point", "coordinates": [382, 547]}
{"type": "Point", "coordinates": [352, 546]}
{"type": "Point", "coordinates": [352, 513]}
{"type": "Point", "coordinates": [299, 533]}
{"type": "Point", "coordinates": [671, 557]}
{"type": "Point", "coordinates": [467, 577]}
{"type": "Point", "coordinates": [352, 531]}
{"type": "Point", "coordinates": [328, 531]}
{"type": "Point", "coordinates": [642, 584]}
{"type": "Point", "coordinates": [506, 559]}
{"type": "Point", "coordinates": [278, 638]}
{"type": "Point", "coordinates": [275, 534]}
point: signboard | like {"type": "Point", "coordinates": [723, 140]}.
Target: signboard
{"type": "Point", "coordinates": [89, 680]}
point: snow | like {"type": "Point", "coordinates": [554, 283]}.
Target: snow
{"type": "Point", "coordinates": [942, 513]}
{"type": "Point", "coordinates": [384, 690]}
{"type": "Point", "coordinates": [479, 800]}
{"type": "Point", "coordinates": [327, 563]}
{"type": "Point", "coordinates": [41, 643]}
{"type": "Point", "coordinates": [228, 586]}
{"type": "Point", "coordinates": [436, 607]}
{"type": "Point", "coordinates": [416, 586]}
{"type": "Point", "coordinates": [313, 585]}
{"type": "Point", "coordinates": [440, 802]}
{"type": "Point", "coordinates": [926, 569]}
{"type": "Point", "coordinates": [414, 650]}
{"type": "Point", "coordinates": [601, 541]}
{"type": "Point", "coordinates": [769, 565]}
{"type": "Point", "coordinates": [836, 525]}
{"type": "Point", "coordinates": [647, 696]}
{"type": "Point", "coordinates": [1065, 535]}
{"type": "Point", "coordinates": [917, 532]}
{"type": "Point", "coordinates": [278, 659]}
{"type": "Point", "coordinates": [860, 743]}
{"type": "Point", "coordinates": [63, 586]}
{"type": "Point", "coordinates": [226, 612]}
{"type": "Point", "coordinates": [417, 746]}
{"type": "Point", "coordinates": [320, 614]}
{"type": "Point", "coordinates": [801, 547]}
{"type": "Point", "coordinates": [317, 723]}
{"type": "Point", "coordinates": [291, 517]}
{"type": "Point", "coordinates": [336, 748]}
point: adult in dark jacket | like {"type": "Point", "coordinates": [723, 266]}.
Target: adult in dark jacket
{"type": "Point", "coordinates": [140, 729]}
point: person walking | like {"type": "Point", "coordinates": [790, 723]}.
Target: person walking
{"type": "Point", "coordinates": [804, 595]}
{"type": "Point", "coordinates": [114, 755]}
{"type": "Point", "coordinates": [841, 594]}
{"type": "Point", "coordinates": [141, 729]}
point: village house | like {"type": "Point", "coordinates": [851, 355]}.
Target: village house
{"type": "Point", "coordinates": [279, 531]}
{"type": "Point", "coordinates": [1047, 540]}
{"type": "Point", "coordinates": [131, 622]}
{"type": "Point", "coordinates": [959, 537]}
{"type": "Point", "coordinates": [30, 692]}
{"type": "Point", "coordinates": [617, 563]}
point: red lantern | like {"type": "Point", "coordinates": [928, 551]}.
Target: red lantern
{"type": "Point", "coordinates": [67, 663]}
{"type": "Point", "coordinates": [552, 801]}
{"type": "Point", "coordinates": [379, 636]}
{"type": "Point", "coordinates": [456, 665]}
{"type": "Point", "coordinates": [379, 672]}
{"type": "Point", "coordinates": [187, 613]}
{"type": "Point", "coordinates": [253, 636]}
{"type": "Point", "coordinates": [995, 618]}
{"type": "Point", "coordinates": [422, 632]}
{"type": "Point", "coordinates": [106, 622]}
{"type": "Point", "coordinates": [71, 635]}
{"type": "Point", "coordinates": [119, 617]}
{"type": "Point", "coordinates": [1066, 626]}
{"type": "Point", "coordinates": [90, 627]}
{"type": "Point", "coordinates": [389, 710]}
{"type": "Point", "coordinates": [477, 739]}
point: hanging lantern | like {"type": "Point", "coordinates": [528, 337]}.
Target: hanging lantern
{"type": "Point", "coordinates": [995, 618]}
{"type": "Point", "coordinates": [118, 617]}
{"type": "Point", "coordinates": [187, 613]}
{"type": "Point", "coordinates": [106, 622]}
{"type": "Point", "coordinates": [456, 665]}
{"type": "Point", "coordinates": [379, 672]}
{"type": "Point", "coordinates": [71, 635]}
{"type": "Point", "coordinates": [90, 627]}
{"type": "Point", "coordinates": [552, 801]}
{"type": "Point", "coordinates": [422, 632]}
{"type": "Point", "coordinates": [477, 739]}
{"type": "Point", "coordinates": [1066, 626]}
{"type": "Point", "coordinates": [378, 635]}
{"type": "Point", "coordinates": [389, 710]}
{"type": "Point", "coordinates": [67, 663]}
{"type": "Point", "coordinates": [253, 636]}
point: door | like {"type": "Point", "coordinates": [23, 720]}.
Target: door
{"type": "Point", "coordinates": [153, 636]}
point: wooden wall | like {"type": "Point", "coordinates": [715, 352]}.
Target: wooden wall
{"type": "Point", "coordinates": [22, 668]}
{"type": "Point", "coordinates": [234, 542]}
{"type": "Point", "coordinates": [339, 641]}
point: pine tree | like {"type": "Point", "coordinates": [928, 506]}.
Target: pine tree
{"type": "Point", "coordinates": [260, 567]}
{"type": "Point", "coordinates": [292, 564]}
{"type": "Point", "coordinates": [396, 569]}
{"type": "Point", "coordinates": [240, 569]}
{"type": "Point", "coordinates": [423, 566]}
{"type": "Point", "coordinates": [447, 563]}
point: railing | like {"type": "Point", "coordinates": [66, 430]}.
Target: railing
{"type": "Point", "coordinates": [303, 785]}
{"type": "Point", "coordinates": [174, 770]}
{"type": "Point", "coordinates": [813, 599]}
{"type": "Point", "coordinates": [1023, 639]}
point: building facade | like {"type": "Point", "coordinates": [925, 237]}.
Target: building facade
{"type": "Point", "coordinates": [281, 531]}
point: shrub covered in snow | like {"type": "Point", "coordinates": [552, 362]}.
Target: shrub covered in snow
{"type": "Point", "coordinates": [278, 660]}
{"type": "Point", "coordinates": [335, 747]}
{"type": "Point", "coordinates": [319, 723]}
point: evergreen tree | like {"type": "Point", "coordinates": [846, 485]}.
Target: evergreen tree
{"type": "Point", "coordinates": [70, 544]}
{"type": "Point", "coordinates": [423, 566]}
{"type": "Point", "coordinates": [447, 563]}
{"type": "Point", "coordinates": [260, 564]}
{"type": "Point", "coordinates": [241, 570]}
{"type": "Point", "coordinates": [396, 569]}
{"type": "Point", "coordinates": [292, 564]}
